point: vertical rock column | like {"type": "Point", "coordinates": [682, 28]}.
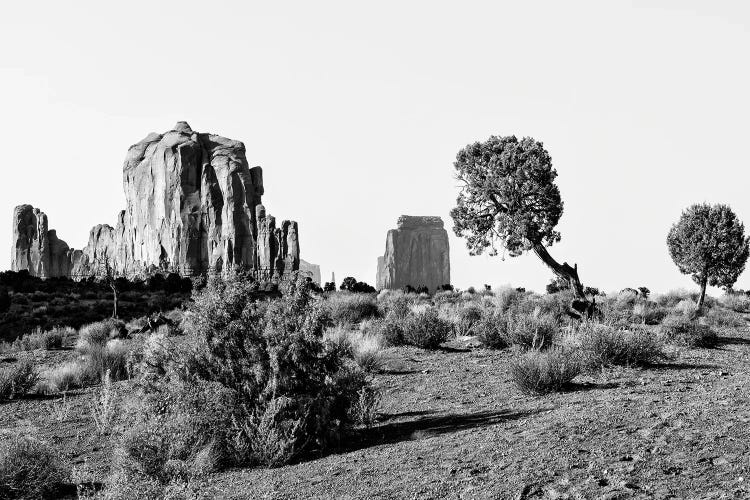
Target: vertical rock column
{"type": "Point", "coordinates": [416, 254]}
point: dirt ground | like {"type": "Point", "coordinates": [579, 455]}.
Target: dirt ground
{"type": "Point", "coordinates": [454, 426]}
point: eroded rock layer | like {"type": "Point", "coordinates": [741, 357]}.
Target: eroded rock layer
{"type": "Point", "coordinates": [416, 254]}
{"type": "Point", "coordinates": [193, 205]}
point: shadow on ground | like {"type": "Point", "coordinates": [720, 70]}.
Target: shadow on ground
{"type": "Point", "coordinates": [425, 426]}
{"type": "Point", "coordinates": [681, 366]}
{"type": "Point", "coordinates": [590, 386]}
{"type": "Point", "coordinates": [732, 341]}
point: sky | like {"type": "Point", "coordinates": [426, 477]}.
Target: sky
{"type": "Point", "coordinates": [356, 110]}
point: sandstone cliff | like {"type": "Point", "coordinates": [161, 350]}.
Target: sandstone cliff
{"type": "Point", "coordinates": [193, 205]}
{"type": "Point", "coordinates": [416, 254]}
{"type": "Point", "coordinates": [310, 270]}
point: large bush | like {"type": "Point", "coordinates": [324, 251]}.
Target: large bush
{"type": "Point", "coordinates": [257, 384]}
{"type": "Point", "coordinates": [29, 468]}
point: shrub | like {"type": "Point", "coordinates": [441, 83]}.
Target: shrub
{"type": "Point", "coordinates": [426, 329]}
{"type": "Point", "coordinates": [396, 303]}
{"type": "Point", "coordinates": [466, 319]}
{"type": "Point", "coordinates": [604, 345]}
{"type": "Point", "coordinates": [255, 384]}
{"type": "Point", "coordinates": [499, 330]}
{"type": "Point", "coordinates": [556, 305]}
{"type": "Point", "coordinates": [29, 468]}
{"type": "Point", "coordinates": [111, 357]}
{"type": "Point", "coordinates": [104, 405]}
{"type": "Point", "coordinates": [17, 379]}
{"type": "Point", "coordinates": [531, 330]}
{"type": "Point", "coordinates": [492, 330]}
{"type": "Point", "coordinates": [65, 377]}
{"type": "Point", "coordinates": [152, 360]}
{"type": "Point", "coordinates": [683, 330]}
{"type": "Point", "coordinates": [653, 313]}
{"type": "Point", "coordinates": [536, 372]}
{"type": "Point", "coordinates": [175, 423]}
{"type": "Point", "coordinates": [364, 409]}
{"type": "Point", "coordinates": [365, 346]}
{"type": "Point", "coordinates": [738, 302]}
{"type": "Point", "coordinates": [367, 351]}
{"type": "Point", "coordinates": [509, 298]}
{"type": "Point", "coordinates": [52, 339]}
{"type": "Point", "coordinates": [686, 307]}
{"type": "Point", "coordinates": [390, 329]}
{"type": "Point", "coordinates": [97, 334]}
{"type": "Point", "coordinates": [721, 317]}
{"type": "Point", "coordinates": [351, 308]}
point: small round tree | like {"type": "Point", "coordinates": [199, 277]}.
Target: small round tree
{"type": "Point", "coordinates": [709, 243]}
{"type": "Point", "coordinates": [509, 197]}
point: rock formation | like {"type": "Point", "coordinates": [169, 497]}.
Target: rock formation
{"type": "Point", "coordinates": [416, 254]}
{"type": "Point", "coordinates": [193, 205]}
{"type": "Point", "coordinates": [310, 271]}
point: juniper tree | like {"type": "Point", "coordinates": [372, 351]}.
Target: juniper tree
{"type": "Point", "coordinates": [509, 198]}
{"type": "Point", "coordinates": [709, 243]}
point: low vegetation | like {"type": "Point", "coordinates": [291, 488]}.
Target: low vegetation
{"type": "Point", "coordinates": [29, 468]}
{"type": "Point", "coordinates": [241, 380]}
{"type": "Point", "coordinates": [536, 372]}
{"type": "Point", "coordinates": [17, 379]}
{"type": "Point", "coordinates": [29, 304]}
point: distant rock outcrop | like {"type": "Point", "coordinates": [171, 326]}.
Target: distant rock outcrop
{"type": "Point", "coordinates": [193, 205]}
{"type": "Point", "coordinates": [311, 271]}
{"type": "Point", "coordinates": [416, 254]}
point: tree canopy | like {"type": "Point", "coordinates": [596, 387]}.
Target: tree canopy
{"type": "Point", "coordinates": [709, 243]}
{"type": "Point", "coordinates": [509, 198]}
{"type": "Point", "coordinates": [508, 195]}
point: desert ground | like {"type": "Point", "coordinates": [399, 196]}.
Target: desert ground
{"type": "Point", "coordinates": [452, 423]}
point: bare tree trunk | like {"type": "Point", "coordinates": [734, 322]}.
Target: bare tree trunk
{"type": "Point", "coordinates": [114, 296]}
{"type": "Point", "coordinates": [581, 304]}
{"type": "Point", "coordinates": [704, 282]}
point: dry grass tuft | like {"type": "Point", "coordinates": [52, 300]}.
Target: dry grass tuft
{"type": "Point", "coordinates": [543, 372]}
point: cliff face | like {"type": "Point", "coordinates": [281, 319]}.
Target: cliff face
{"type": "Point", "coordinates": [311, 271]}
{"type": "Point", "coordinates": [416, 254]}
{"type": "Point", "coordinates": [193, 205]}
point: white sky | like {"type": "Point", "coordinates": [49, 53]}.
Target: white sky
{"type": "Point", "coordinates": [356, 110]}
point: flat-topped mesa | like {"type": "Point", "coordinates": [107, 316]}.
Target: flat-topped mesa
{"type": "Point", "coordinates": [416, 254]}
{"type": "Point", "coordinates": [192, 207]}
{"type": "Point", "coordinates": [419, 222]}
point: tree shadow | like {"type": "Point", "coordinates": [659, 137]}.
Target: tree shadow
{"type": "Point", "coordinates": [453, 349]}
{"type": "Point", "coordinates": [393, 416]}
{"type": "Point", "coordinates": [681, 366]}
{"type": "Point", "coordinates": [398, 372]}
{"type": "Point", "coordinates": [426, 426]}
{"type": "Point", "coordinates": [731, 341]}
{"type": "Point", "coordinates": [590, 386]}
